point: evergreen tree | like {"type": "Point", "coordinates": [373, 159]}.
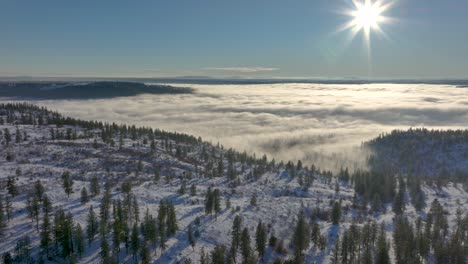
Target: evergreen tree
{"type": "Point", "coordinates": [11, 186]}
{"type": "Point", "coordinates": [171, 221]}
{"type": "Point", "coordinates": [191, 239]}
{"type": "Point", "coordinates": [209, 201]}
{"type": "Point", "coordinates": [381, 254]}
{"type": "Point", "coordinates": [218, 255]}
{"type": "Point", "coordinates": [253, 201]}
{"type": "Point", "coordinates": [45, 235]}
{"type": "Point", "coordinates": [7, 136]}
{"type": "Point", "coordinates": [301, 236]}
{"type": "Point", "coordinates": [236, 236]}
{"type": "Point", "coordinates": [67, 183]}
{"type": "Point", "coordinates": [162, 213]}
{"type": "Point", "coordinates": [2, 217]}
{"type": "Point", "coordinates": [217, 201]}
{"type": "Point", "coordinates": [336, 213]}
{"type": "Point", "coordinates": [399, 203]}
{"type": "Point", "coordinates": [261, 239]}
{"type": "Point", "coordinates": [104, 252]}
{"type": "Point", "coordinates": [335, 259]}
{"type": "Point", "coordinates": [78, 239]}
{"type": "Point", "coordinates": [8, 207]}
{"type": "Point", "coordinates": [144, 254]}
{"type": "Point", "coordinates": [84, 196]}
{"type": "Point", "coordinates": [94, 187]}
{"type": "Point", "coordinates": [92, 225]}
{"type": "Point", "coordinates": [39, 190]}
{"type": "Point", "coordinates": [46, 205]}
{"type": "Point", "coordinates": [246, 248]}
{"type": "Point", "coordinates": [193, 190]}
{"type": "Point", "coordinates": [135, 241]}
{"type": "Point", "coordinates": [315, 233]}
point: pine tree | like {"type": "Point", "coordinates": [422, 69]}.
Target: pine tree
{"type": "Point", "coordinates": [67, 183]}
{"type": "Point", "coordinates": [134, 241]}
{"type": "Point", "coordinates": [33, 208]}
{"type": "Point", "coordinates": [7, 136]}
{"type": "Point", "coordinates": [84, 196]}
{"type": "Point", "coordinates": [191, 239]}
{"type": "Point", "coordinates": [253, 201]}
{"type": "Point", "coordinates": [92, 225]}
{"type": "Point", "coordinates": [104, 252]}
{"type": "Point", "coordinates": [261, 239]}
{"type": "Point", "coordinates": [8, 207]}
{"type": "Point", "coordinates": [94, 188]}
{"type": "Point", "coordinates": [399, 203]}
{"type": "Point", "coordinates": [236, 236]}
{"type": "Point", "coordinates": [217, 201]}
{"type": "Point", "coordinates": [78, 239]}
{"type": "Point", "coordinates": [246, 248]}
{"type": "Point", "coordinates": [336, 213]}
{"type": "Point", "coordinates": [2, 217]}
{"type": "Point", "coordinates": [144, 254]}
{"type": "Point", "coordinates": [46, 205]}
{"type": "Point", "coordinates": [315, 234]}
{"type": "Point", "coordinates": [39, 190]}
{"type": "Point", "coordinates": [209, 201]}
{"type": "Point", "coordinates": [301, 236]}
{"type": "Point", "coordinates": [204, 257]}
{"type": "Point", "coordinates": [45, 236]}
{"type": "Point", "coordinates": [381, 254]}
{"type": "Point", "coordinates": [335, 259]}
{"type": "Point", "coordinates": [193, 190]}
{"type": "Point", "coordinates": [11, 186]}
{"type": "Point", "coordinates": [162, 213]}
{"type": "Point", "coordinates": [218, 255]}
{"type": "Point", "coordinates": [171, 221]}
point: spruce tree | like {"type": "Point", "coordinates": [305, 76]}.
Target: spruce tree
{"type": "Point", "coordinates": [67, 183]}
{"type": "Point", "coordinates": [8, 207]}
{"type": "Point", "coordinates": [236, 236]}
{"type": "Point", "coordinates": [45, 235]}
{"type": "Point", "coordinates": [191, 239]}
{"type": "Point", "coordinates": [92, 225]}
{"type": "Point", "coordinates": [381, 254]}
{"type": "Point", "coordinates": [134, 241]}
{"type": "Point", "coordinates": [301, 236]}
{"type": "Point", "coordinates": [94, 186]}
{"type": "Point", "coordinates": [39, 190]}
{"type": "Point", "coordinates": [2, 217]}
{"type": "Point", "coordinates": [84, 196]}
{"type": "Point", "coordinates": [336, 213]}
{"type": "Point", "coordinates": [246, 248]}
{"type": "Point", "coordinates": [78, 239]}
{"type": "Point", "coordinates": [261, 239]}
{"type": "Point", "coordinates": [11, 186]}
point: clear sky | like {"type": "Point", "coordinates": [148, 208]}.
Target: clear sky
{"type": "Point", "coordinates": [245, 38]}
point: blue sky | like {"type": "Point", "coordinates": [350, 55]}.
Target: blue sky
{"type": "Point", "coordinates": [271, 38]}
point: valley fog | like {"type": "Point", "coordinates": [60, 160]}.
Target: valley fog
{"type": "Point", "coordinates": [321, 124]}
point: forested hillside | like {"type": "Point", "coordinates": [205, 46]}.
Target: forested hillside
{"type": "Point", "coordinates": [75, 191]}
{"type": "Point", "coordinates": [437, 154]}
{"type": "Point", "coordinates": [89, 90]}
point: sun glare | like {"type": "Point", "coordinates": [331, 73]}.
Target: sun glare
{"type": "Point", "coordinates": [367, 16]}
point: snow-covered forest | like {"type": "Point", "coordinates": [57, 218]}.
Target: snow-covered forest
{"type": "Point", "coordinates": [75, 191]}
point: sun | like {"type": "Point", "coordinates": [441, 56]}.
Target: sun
{"type": "Point", "coordinates": [367, 16]}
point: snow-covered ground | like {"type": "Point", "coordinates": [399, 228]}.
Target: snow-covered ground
{"type": "Point", "coordinates": [279, 197]}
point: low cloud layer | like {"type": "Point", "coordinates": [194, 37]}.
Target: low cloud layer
{"type": "Point", "coordinates": [317, 123]}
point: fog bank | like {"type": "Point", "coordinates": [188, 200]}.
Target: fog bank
{"type": "Point", "coordinates": [317, 123]}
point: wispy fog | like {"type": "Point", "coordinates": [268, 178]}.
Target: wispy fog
{"type": "Point", "coordinates": [317, 123]}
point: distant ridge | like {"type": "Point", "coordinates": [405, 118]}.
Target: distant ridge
{"type": "Point", "coordinates": [92, 90]}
